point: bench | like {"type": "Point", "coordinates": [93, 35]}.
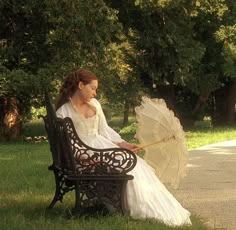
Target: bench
{"type": "Point", "coordinates": [98, 176]}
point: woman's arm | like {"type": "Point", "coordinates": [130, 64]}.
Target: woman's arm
{"type": "Point", "coordinates": [127, 145]}
{"type": "Point", "coordinates": [106, 131]}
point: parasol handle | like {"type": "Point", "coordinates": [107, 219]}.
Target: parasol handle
{"type": "Point", "coordinates": [153, 143]}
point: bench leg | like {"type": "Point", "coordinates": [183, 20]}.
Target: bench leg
{"type": "Point", "coordinates": [103, 194]}
{"type": "Point", "coordinates": [57, 195]}
{"type": "Point", "coordinates": [87, 198]}
{"type": "Point", "coordinates": [77, 197]}
{"type": "Point", "coordinates": [117, 188]}
{"type": "Point", "coordinates": [61, 188]}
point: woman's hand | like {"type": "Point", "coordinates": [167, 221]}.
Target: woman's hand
{"type": "Point", "coordinates": [129, 146]}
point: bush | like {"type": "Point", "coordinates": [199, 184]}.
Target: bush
{"type": "Point", "coordinates": [203, 124]}
{"type": "Point", "coordinates": [128, 132]}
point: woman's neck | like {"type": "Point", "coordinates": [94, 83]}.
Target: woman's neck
{"type": "Point", "coordinates": [77, 100]}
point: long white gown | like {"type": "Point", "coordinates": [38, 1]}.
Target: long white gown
{"type": "Point", "coordinates": [146, 196]}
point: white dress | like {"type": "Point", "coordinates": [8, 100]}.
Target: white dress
{"type": "Point", "coordinates": [146, 196]}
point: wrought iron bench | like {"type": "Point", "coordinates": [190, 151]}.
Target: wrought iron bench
{"type": "Point", "coordinates": [98, 176]}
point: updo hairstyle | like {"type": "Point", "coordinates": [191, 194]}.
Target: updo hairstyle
{"type": "Point", "coordinates": [70, 84]}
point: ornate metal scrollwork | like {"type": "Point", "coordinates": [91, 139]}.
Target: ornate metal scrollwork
{"type": "Point", "coordinates": [106, 192]}
{"type": "Point", "coordinates": [63, 185]}
{"type": "Point", "coordinates": [98, 161]}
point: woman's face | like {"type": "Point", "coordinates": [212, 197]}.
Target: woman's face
{"type": "Point", "coordinates": [88, 91]}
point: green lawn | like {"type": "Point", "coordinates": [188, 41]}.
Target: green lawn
{"type": "Point", "coordinates": [200, 137]}
{"type": "Point", "coordinates": [27, 187]}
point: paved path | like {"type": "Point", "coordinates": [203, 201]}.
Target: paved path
{"type": "Point", "coordinates": [209, 189]}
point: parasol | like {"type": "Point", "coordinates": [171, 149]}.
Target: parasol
{"type": "Point", "coordinates": [162, 137]}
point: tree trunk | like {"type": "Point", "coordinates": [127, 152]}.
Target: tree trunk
{"type": "Point", "coordinates": [219, 106]}
{"type": "Point", "coordinates": [1, 116]}
{"type": "Point", "coordinates": [126, 114]}
{"type": "Point", "coordinates": [10, 118]}
{"type": "Point", "coordinates": [202, 99]}
{"type": "Point", "coordinates": [231, 103]}
{"type": "Point", "coordinates": [225, 100]}
{"type": "Point", "coordinates": [167, 92]}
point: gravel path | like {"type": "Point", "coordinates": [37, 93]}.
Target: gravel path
{"type": "Point", "coordinates": [209, 189]}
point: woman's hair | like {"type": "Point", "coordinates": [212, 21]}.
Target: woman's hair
{"type": "Point", "coordinates": [70, 84]}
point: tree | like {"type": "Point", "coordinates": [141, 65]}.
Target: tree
{"type": "Point", "coordinates": [213, 28]}
{"type": "Point", "coordinates": [41, 41]}
{"type": "Point", "coordinates": [162, 34]}
{"type": "Point", "coordinates": [184, 45]}
{"type": "Point", "coordinates": [226, 35]}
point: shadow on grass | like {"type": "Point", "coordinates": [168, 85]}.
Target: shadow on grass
{"type": "Point", "coordinates": [32, 206]}
{"type": "Point", "coordinates": [33, 211]}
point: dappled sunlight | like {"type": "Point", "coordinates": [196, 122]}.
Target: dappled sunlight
{"type": "Point", "coordinates": [219, 152]}
{"type": "Point", "coordinates": [25, 199]}
{"type": "Point", "coordinates": [216, 150]}
{"type": "Point", "coordinates": [28, 208]}
{"type": "Point", "coordinates": [7, 158]}
{"type": "Point", "coordinates": [192, 166]}
{"type": "Point", "coordinates": [13, 197]}
{"type": "Point", "coordinates": [41, 162]}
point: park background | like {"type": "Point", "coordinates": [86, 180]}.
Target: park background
{"type": "Point", "coordinates": [180, 50]}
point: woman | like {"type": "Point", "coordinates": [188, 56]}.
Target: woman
{"type": "Point", "coordinates": [146, 196]}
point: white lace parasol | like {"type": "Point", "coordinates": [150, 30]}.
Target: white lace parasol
{"type": "Point", "coordinates": [162, 137]}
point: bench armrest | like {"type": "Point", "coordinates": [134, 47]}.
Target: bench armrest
{"type": "Point", "coordinates": [92, 160]}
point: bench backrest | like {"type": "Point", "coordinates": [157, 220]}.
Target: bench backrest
{"type": "Point", "coordinates": [51, 129]}
{"type": "Point", "coordinates": [61, 155]}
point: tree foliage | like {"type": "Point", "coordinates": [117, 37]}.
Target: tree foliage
{"type": "Point", "coordinates": [183, 44]}
{"type": "Point", "coordinates": [41, 41]}
{"type": "Point", "coordinates": [184, 47]}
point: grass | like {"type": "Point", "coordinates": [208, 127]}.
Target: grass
{"type": "Point", "coordinates": [34, 128]}
{"type": "Point", "coordinates": [195, 137]}
{"type": "Point", "coordinates": [199, 137]}
{"type": "Point", "coordinates": [27, 187]}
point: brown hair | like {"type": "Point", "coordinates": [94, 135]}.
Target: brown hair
{"type": "Point", "coordinates": [70, 84]}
